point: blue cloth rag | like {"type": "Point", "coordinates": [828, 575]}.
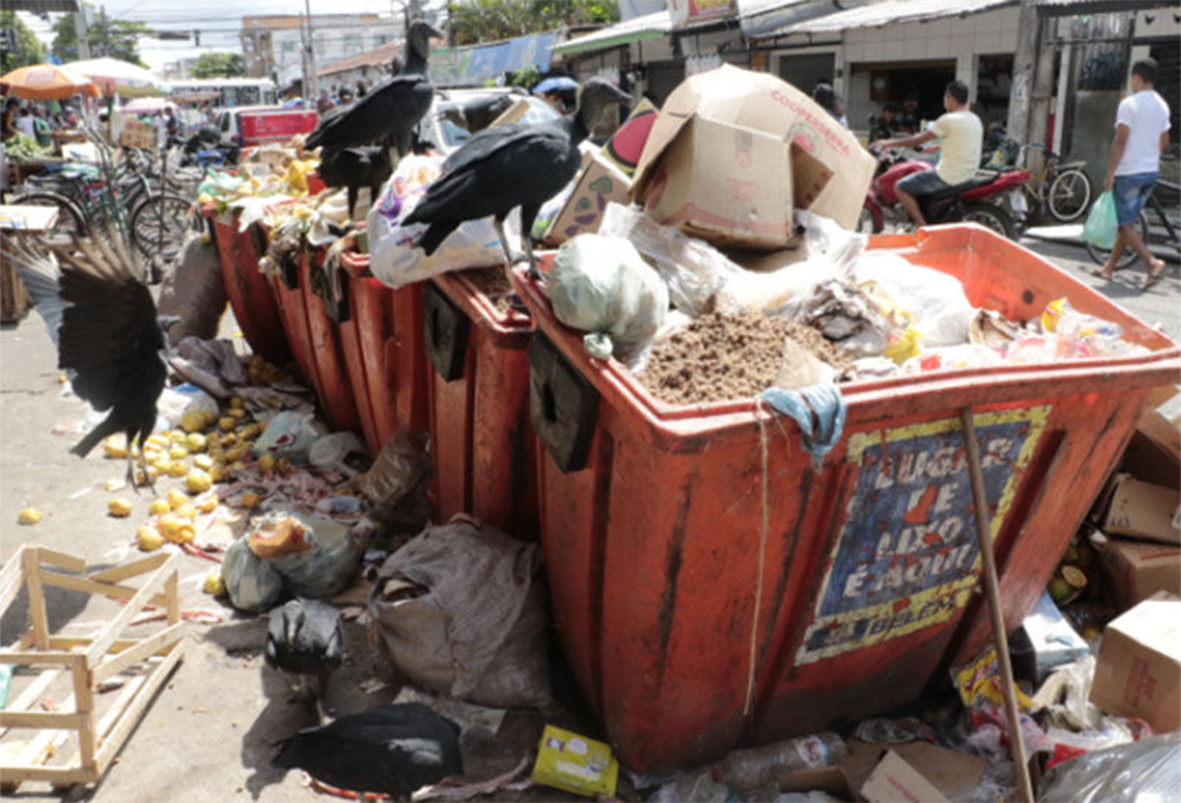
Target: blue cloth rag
{"type": "Point", "coordinates": [819, 410]}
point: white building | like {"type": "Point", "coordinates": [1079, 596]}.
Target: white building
{"type": "Point", "coordinates": [273, 46]}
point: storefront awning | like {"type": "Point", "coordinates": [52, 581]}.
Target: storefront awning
{"type": "Point", "coordinates": [888, 13]}
{"type": "Point", "coordinates": [637, 29]}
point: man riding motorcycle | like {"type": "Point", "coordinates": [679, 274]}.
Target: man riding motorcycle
{"type": "Point", "coordinates": [961, 134]}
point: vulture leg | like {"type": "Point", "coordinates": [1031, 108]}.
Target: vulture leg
{"type": "Point", "coordinates": [353, 190]}
{"type": "Point", "coordinates": [528, 215]}
{"type": "Point", "coordinates": [498, 221]}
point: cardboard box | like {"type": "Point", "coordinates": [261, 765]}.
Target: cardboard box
{"type": "Point", "coordinates": [599, 184]}
{"type": "Point", "coordinates": [830, 780]}
{"type": "Point", "coordinates": [1144, 510]}
{"type": "Point", "coordinates": [723, 183]}
{"type": "Point", "coordinates": [1138, 673]}
{"type": "Point", "coordinates": [951, 773]}
{"type": "Point", "coordinates": [575, 764]}
{"type": "Point", "coordinates": [894, 780]}
{"type": "Point", "coordinates": [830, 171]}
{"type": "Point", "coordinates": [626, 145]}
{"type": "Point", "coordinates": [1135, 570]}
{"type": "Point", "coordinates": [1045, 640]}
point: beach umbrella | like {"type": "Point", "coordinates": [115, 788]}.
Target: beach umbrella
{"type": "Point", "coordinates": [108, 72]}
{"type": "Point", "coordinates": [47, 82]}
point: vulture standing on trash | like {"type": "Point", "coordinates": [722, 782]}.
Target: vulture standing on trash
{"type": "Point", "coordinates": [499, 169]}
{"type": "Point", "coordinates": [391, 109]}
{"type": "Point", "coordinates": [367, 166]}
{"type": "Point", "coordinates": [101, 315]}
{"type": "Point", "coordinates": [304, 637]}
{"type": "Point", "coordinates": [391, 749]}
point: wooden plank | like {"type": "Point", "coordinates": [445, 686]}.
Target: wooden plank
{"type": "Point", "coordinates": [125, 695]}
{"type": "Point", "coordinates": [35, 658]}
{"type": "Point", "coordinates": [90, 587]}
{"type": "Point", "coordinates": [132, 569]}
{"type": "Point", "coordinates": [45, 744]}
{"type": "Point", "coordinates": [143, 650]}
{"type": "Point", "coordinates": [62, 560]}
{"type": "Point", "coordinates": [70, 642]}
{"type": "Point", "coordinates": [16, 773]}
{"type": "Point", "coordinates": [31, 693]}
{"type": "Point", "coordinates": [41, 719]}
{"type": "Point", "coordinates": [84, 695]}
{"type": "Point", "coordinates": [37, 615]}
{"type": "Point", "coordinates": [147, 591]}
{"type": "Point", "coordinates": [131, 714]}
{"type": "Point", "coordinates": [11, 578]}
{"type": "Point", "coordinates": [172, 594]}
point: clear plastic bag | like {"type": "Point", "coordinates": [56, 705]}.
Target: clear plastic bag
{"type": "Point", "coordinates": [1148, 770]}
{"type": "Point", "coordinates": [601, 285]}
{"type": "Point", "coordinates": [1102, 222]}
{"type": "Point", "coordinates": [936, 301]}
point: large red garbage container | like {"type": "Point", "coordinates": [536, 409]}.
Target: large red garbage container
{"type": "Point", "coordinates": [382, 344]}
{"type": "Point", "coordinates": [248, 290]}
{"type": "Point", "coordinates": [482, 446]}
{"type": "Point", "coordinates": [285, 288]}
{"type": "Point", "coordinates": [710, 588]}
{"type": "Point", "coordinates": [326, 300]}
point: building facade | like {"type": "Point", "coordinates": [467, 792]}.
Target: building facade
{"type": "Point", "coordinates": [275, 46]}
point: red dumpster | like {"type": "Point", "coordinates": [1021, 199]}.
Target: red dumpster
{"type": "Point", "coordinates": [250, 296]}
{"type": "Point", "coordinates": [482, 446]}
{"type": "Point", "coordinates": [711, 589]}
{"type": "Point", "coordinates": [327, 303]}
{"type": "Point", "coordinates": [293, 313]}
{"type": "Point", "coordinates": [382, 344]}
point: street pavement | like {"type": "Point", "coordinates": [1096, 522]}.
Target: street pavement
{"type": "Point", "coordinates": [208, 735]}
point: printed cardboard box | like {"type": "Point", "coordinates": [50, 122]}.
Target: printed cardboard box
{"type": "Point", "coordinates": [599, 184]}
{"type": "Point", "coordinates": [1138, 673]}
{"type": "Point", "coordinates": [1144, 510]}
{"type": "Point", "coordinates": [1135, 570]}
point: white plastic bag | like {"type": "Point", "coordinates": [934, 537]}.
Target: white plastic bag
{"type": "Point", "coordinates": [936, 301]}
{"type": "Point", "coordinates": [601, 285]}
{"type": "Point", "coordinates": [331, 450]}
{"type": "Point", "coordinates": [289, 434]}
{"type": "Point", "coordinates": [394, 258]}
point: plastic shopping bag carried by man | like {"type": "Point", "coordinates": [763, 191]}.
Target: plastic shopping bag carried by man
{"type": "Point", "coordinates": [1102, 223]}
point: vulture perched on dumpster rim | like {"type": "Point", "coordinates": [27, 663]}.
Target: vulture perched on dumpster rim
{"type": "Point", "coordinates": [367, 166]}
{"type": "Point", "coordinates": [499, 169]}
{"type": "Point", "coordinates": [391, 109]}
{"type": "Point", "coordinates": [101, 315]}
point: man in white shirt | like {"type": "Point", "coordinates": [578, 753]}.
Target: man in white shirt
{"type": "Point", "coordinates": [1141, 136]}
{"type": "Point", "coordinates": [962, 137]}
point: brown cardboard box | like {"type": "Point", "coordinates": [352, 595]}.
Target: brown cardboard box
{"type": "Point", "coordinates": [1138, 673]}
{"type": "Point", "coordinates": [1135, 570]}
{"type": "Point", "coordinates": [952, 773]}
{"type": "Point", "coordinates": [723, 183]}
{"type": "Point", "coordinates": [1143, 510]}
{"type": "Point", "coordinates": [895, 780]}
{"type": "Point", "coordinates": [599, 184]}
{"type": "Point", "coordinates": [830, 171]}
{"type": "Point", "coordinates": [626, 145]}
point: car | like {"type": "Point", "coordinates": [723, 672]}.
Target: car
{"type": "Point", "coordinates": [248, 126]}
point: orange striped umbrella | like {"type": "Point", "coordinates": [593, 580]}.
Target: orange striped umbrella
{"type": "Point", "coordinates": [47, 82]}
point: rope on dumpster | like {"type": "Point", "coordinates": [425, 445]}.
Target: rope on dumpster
{"type": "Point", "coordinates": [826, 403]}
{"type": "Point", "coordinates": [764, 528]}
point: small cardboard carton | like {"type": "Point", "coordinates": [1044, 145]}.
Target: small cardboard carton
{"type": "Point", "coordinates": [575, 764]}
{"type": "Point", "coordinates": [1045, 640]}
{"type": "Point", "coordinates": [953, 774]}
{"type": "Point", "coordinates": [1138, 673]}
{"type": "Point", "coordinates": [1143, 510]}
{"type": "Point", "coordinates": [894, 780]}
{"type": "Point", "coordinates": [724, 183]}
{"type": "Point", "coordinates": [599, 184]}
{"type": "Point", "coordinates": [828, 171]}
{"type": "Point", "coordinates": [1135, 570]}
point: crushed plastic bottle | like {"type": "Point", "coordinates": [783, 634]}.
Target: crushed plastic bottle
{"type": "Point", "coordinates": [756, 767]}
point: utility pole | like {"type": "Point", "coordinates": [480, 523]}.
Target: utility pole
{"type": "Point", "coordinates": [1024, 63]}
{"type": "Point", "coordinates": [81, 33]}
{"type": "Point", "coordinates": [106, 32]}
{"type": "Point", "coordinates": [1043, 91]}
{"type": "Point", "coordinates": [313, 90]}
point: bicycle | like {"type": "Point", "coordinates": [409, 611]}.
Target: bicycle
{"type": "Point", "coordinates": [1100, 255]}
{"type": "Point", "coordinates": [1063, 190]}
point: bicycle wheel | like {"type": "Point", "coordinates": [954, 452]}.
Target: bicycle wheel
{"type": "Point", "coordinates": [70, 220]}
{"type": "Point", "coordinates": [159, 225]}
{"type": "Point", "coordinates": [1129, 256]}
{"type": "Point", "coordinates": [1069, 195]}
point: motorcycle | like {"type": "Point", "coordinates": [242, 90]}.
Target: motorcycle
{"type": "Point", "coordinates": [968, 201]}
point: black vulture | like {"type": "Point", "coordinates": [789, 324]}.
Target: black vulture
{"type": "Point", "coordinates": [499, 169]}
{"type": "Point", "coordinates": [367, 166]}
{"type": "Point", "coordinates": [391, 109]}
{"type": "Point", "coordinates": [109, 338]}
{"type": "Point", "coordinates": [391, 749]}
{"type": "Point", "coordinates": [479, 113]}
{"type": "Point", "coordinates": [304, 637]}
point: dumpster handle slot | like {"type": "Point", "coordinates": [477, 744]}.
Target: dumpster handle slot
{"type": "Point", "coordinates": [259, 238]}
{"type": "Point", "coordinates": [563, 406]}
{"type": "Point", "coordinates": [445, 333]}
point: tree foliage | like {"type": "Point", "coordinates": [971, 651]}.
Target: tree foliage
{"type": "Point", "coordinates": [119, 39]}
{"type": "Point", "coordinates": [219, 65]}
{"type": "Point", "coordinates": [28, 49]}
{"type": "Point", "coordinates": [475, 21]}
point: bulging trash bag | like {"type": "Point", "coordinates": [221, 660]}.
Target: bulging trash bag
{"type": "Point", "coordinates": [1147, 770]}
{"type": "Point", "coordinates": [602, 285]}
{"type": "Point", "coordinates": [1102, 222]}
{"type": "Point", "coordinates": [941, 310]}
{"type": "Point", "coordinates": [461, 609]}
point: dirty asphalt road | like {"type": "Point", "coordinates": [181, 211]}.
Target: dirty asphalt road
{"type": "Point", "coordinates": [207, 735]}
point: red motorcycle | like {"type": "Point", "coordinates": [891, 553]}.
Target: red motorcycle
{"type": "Point", "coordinates": [967, 201]}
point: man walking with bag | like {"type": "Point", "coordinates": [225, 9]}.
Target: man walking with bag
{"type": "Point", "coordinates": [1141, 136]}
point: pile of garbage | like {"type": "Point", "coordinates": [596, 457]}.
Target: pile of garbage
{"type": "Point", "coordinates": [274, 172]}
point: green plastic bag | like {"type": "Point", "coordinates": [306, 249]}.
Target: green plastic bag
{"type": "Point", "coordinates": [1101, 223]}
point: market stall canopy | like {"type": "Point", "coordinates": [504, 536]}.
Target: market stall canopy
{"type": "Point", "coordinates": [41, 6]}
{"type": "Point", "coordinates": [108, 72]}
{"type": "Point", "coordinates": [888, 13]}
{"type": "Point", "coordinates": [637, 29]}
{"type": "Point", "coordinates": [47, 82]}
{"type": "Point", "coordinates": [147, 105]}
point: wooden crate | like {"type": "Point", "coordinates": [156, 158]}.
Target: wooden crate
{"type": "Point", "coordinates": [145, 662]}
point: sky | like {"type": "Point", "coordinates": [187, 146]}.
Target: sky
{"type": "Point", "coordinates": [218, 20]}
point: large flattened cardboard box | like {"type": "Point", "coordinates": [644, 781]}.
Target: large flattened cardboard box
{"type": "Point", "coordinates": [1135, 570]}
{"type": "Point", "coordinates": [1144, 510]}
{"type": "Point", "coordinates": [1138, 673]}
{"type": "Point", "coordinates": [826, 170]}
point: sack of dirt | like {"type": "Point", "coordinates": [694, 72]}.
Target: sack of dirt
{"type": "Point", "coordinates": [461, 609]}
{"type": "Point", "coordinates": [194, 291]}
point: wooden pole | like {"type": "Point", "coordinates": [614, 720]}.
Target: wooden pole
{"type": "Point", "coordinates": [1024, 62]}
{"type": "Point", "coordinates": [992, 589]}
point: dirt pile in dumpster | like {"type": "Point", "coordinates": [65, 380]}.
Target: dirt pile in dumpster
{"type": "Point", "coordinates": [720, 357]}
{"type": "Point", "coordinates": [493, 283]}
